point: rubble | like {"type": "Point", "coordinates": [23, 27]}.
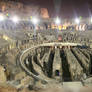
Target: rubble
{"type": "Point", "coordinates": [20, 76]}
{"type": "Point", "coordinates": [7, 89]}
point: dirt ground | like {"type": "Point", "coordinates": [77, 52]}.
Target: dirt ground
{"type": "Point", "coordinates": [7, 88]}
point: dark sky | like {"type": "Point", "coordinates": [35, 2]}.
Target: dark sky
{"type": "Point", "coordinates": [64, 8]}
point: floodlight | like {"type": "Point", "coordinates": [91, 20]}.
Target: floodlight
{"type": "Point", "coordinates": [57, 21]}
{"type": "Point", "coordinates": [35, 20]}
{"type": "Point", "coordinates": [77, 20]}
{"type": "Point", "coordinates": [15, 19]}
{"type": "Point", "coordinates": [2, 18]}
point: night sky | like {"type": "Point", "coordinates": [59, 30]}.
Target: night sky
{"type": "Point", "coordinates": [64, 8]}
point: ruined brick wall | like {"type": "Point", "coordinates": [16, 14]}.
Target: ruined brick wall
{"type": "Point", "coordinates": [44, 13]}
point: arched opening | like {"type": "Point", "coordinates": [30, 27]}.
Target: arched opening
{"type": "Point", "coordinates": [57, 73]}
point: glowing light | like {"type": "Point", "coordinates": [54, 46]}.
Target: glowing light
{"type": "Point", "coordinates": [91, 19]}
{"type": "Point", "coordinates": [57, 21]}
{"type": "Point", "coordinates": [15, 19]}
{"type": "Point", "coordinates": [7, 14]}
{"type": "Point", "coordinates": [77, 20]}
{"type": "Point", "coordinates": [30, 17]}
{"type": "Point", "coordinates": [2, 18]}
{"type": "Point", "coordinates": [35, 20]}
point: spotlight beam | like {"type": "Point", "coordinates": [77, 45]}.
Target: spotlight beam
{"type": "Point", "coordinates": [35, 21]}
{"type": "Point", "coordinates": [57, 21]}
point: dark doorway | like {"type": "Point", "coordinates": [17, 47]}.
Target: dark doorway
{"type": "Point", "coordinates": [57, 73]}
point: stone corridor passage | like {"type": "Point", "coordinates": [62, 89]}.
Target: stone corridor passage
{"type": "Point", "coordinates": [57, 63]}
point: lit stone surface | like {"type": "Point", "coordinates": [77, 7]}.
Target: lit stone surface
{"type": "Point", "coordinates": [2, 75]}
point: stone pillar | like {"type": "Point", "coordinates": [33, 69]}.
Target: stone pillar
{"type": "Point", "coordinates": [2, 75]}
